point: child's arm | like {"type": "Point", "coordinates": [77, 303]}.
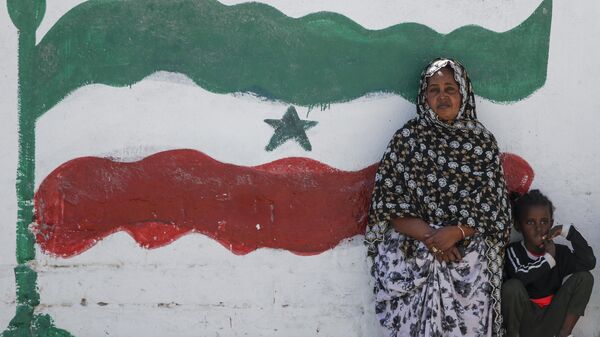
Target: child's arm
{"type": "Point", "coordinates": [527, 272]}
{"type": "Point", "coordinates": [583, 258]}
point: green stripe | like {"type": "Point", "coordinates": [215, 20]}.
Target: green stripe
{"type": "Point", "coordinates": [314, 60]}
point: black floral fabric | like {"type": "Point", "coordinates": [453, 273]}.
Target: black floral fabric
{"type": "Point", "coordinates": [446, 174]}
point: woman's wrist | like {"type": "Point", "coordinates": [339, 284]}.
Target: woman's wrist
{"type": "Point", "coordinates": [427, 234]}
{"type": "Point", "coordinates": [457, 234]}
{"type": "Point", "coordinates": [415, 228]}
{"type": "Point", "coordinates": [463, 235]}
{"type": "Point", "coordinates": [465, 231]}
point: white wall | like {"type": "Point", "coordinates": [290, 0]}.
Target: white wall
{"type": "Point", "coordinates": [196, 287]}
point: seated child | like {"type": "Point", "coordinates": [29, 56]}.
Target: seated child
{"type": "Point", "coordinates": [535, 301]}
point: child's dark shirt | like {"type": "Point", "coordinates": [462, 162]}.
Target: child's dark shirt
{"type": "Point", "coordinates": [542, 276]}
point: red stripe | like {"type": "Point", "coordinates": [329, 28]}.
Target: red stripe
{"type": "Point", "coordinates": [296, 204]}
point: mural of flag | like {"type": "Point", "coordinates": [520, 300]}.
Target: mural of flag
{"type": "Point", "coordinates": [85, 48]}
{"type": "Point", "coordinates": [247, 101]}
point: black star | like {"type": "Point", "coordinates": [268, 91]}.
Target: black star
{"type": "Point", "coordinates": [290, 126]}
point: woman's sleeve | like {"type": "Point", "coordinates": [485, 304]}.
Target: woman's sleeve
{"type": "Point", "coordinates": [497, 212]}
{"type": "Point", "coordinates": [391, 197]}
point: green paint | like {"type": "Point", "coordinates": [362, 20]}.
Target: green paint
{"type": "Point", "coordinates": [25, 322]}
{"type": "Point", "coordinates": [26, 286]}
{"type": "Point", "coordinates": [314, 60]}
{"type": "Point", "coordinates": [26, 166]}
{"type": "Point", "coordinates": [289, 127]}
{"type": "Point", "coordinates": [27, 15]}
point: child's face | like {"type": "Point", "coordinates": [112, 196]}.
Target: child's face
{"type": "Point", "coordinates": [536, 224]}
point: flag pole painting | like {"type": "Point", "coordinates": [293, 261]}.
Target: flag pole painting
{"type": "Point", "coordinates": [294, 203]}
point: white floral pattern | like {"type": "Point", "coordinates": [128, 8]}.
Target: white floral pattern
{"type": "Point", "coordinates": [421, 296]}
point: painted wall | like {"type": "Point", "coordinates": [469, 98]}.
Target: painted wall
{"type": "Point", "coordinates": [218, 281]}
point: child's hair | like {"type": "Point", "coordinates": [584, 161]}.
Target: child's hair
{"type": "Point", "coordinates": [521, 205]}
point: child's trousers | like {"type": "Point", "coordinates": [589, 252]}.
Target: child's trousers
{"type": "Point", "coordinates": [525, 319]}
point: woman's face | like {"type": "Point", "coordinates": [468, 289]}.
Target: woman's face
{"type": "Point", "coordinates": [443, 94]}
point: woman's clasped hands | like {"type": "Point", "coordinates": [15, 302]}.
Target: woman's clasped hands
{"type": "Point", "coordinates": [442, 243]}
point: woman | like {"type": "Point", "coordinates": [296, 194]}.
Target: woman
{"type": "Point", "coordinates": [439, 217]}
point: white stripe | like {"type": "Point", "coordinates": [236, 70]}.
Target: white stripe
{"type": "Point", "coordinates": [168, 111]}
{"type": "Point", "coordinates": [550, 259]}
{"type": "Point", "coordinates": [531, 256]}
{"type": "Point", "coordinates": [565, 230]}
{"type": "Point", "coordinates": [523, 267]}
{"type": "Point", "coordinates": [528, 267]}
{"type": "Point", "coordinates": [511, 258]}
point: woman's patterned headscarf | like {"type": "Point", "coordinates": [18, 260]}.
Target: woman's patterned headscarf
{"type": "Point", "coordinates": [467, 108]}
{"type": "Point", "coordinates": [445, 173]}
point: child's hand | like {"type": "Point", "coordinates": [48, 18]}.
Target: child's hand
{"type": "Point", "coordinates": [550, 248]}
{"type": "Point", "coordinates": [553, 232]}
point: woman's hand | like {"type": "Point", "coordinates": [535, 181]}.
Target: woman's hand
{"type": "Point", "coordinates": [443, 238]}
{"type": "Point", "coordinates": [450, 255]}
{"type": "Point", "coordinates": [434, 250]}
{"type": "Point", "coordinates": [453, 254]}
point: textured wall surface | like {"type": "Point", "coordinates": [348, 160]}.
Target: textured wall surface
{"type": "Point", "coordinates": [194, 285]}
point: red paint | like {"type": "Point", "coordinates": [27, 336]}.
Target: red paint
{"type": "Point", "coordinates": [517, 173]}
{"type": "Point", "coordinates": [301, 205]}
